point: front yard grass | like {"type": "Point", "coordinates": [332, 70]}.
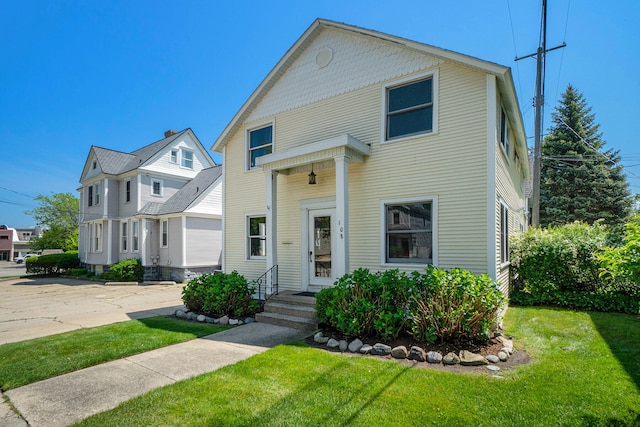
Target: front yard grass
{"type": "Point", "coordinates": [34, 360]}
{"type": "Point", "coordinates": [585, 371]}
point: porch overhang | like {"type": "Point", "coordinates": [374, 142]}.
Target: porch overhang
{"type": "Point", "coordinates": [296, 159]}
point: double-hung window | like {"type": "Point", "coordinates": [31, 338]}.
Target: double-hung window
{"type": "Point", "coordinates": [504, 233]}
{"type": "Point", "coordinates": [90, 195]}
{"type": "Point", "coordinates": [260, 144]}
{"type": "Point", "coordinates": [256, 237]}
{"type": "Point", "coordinates": [505, 133]}
{"type": "Point", "coordinates": [164, 233]}
{"type": "Point", "coordinates": [408, 232]}
{"type": "Point", "coordinates": [173, 156]}
{"type": "Point", "coordinates": [135, 234]}
{"type": "Point", "coordinates": [125, 235]}
{"type": "Point", "coordinates": [97, 193]}
{"type": "Point", "coordinates": [97, 236]}
{"type": "Point", "coordinates": [409, 109]}
{"type": "Point", "coordinates": [156, 187]}
{"type": "Point", "coordinates": [187, 159]}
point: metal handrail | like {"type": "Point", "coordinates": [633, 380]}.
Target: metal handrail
{"type": "Point", "coordinates": [267, 284]}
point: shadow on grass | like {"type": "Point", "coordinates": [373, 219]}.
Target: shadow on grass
{"type": "Point", "coordinates": [632, 421]}
{"type": "Point", "coordinates": [622, 334]}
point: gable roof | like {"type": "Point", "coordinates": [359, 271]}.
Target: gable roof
{"type": "Point", "coordinates": [502, 73]}
{"type": "Point", "coordinates": [113, 162]}
{"type": "Point", "coordinates": [187, 195]}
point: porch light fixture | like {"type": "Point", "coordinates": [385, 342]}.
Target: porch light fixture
{"type": "Point", "coordinates": [312, 176]}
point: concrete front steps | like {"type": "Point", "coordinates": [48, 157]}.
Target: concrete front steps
{"type": "Point", "coordinates": [290, 310]}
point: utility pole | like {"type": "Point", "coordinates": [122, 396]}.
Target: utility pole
{"type": "Point", "coordinates": [538, 102]}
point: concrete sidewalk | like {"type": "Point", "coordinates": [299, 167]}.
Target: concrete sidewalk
{"type": "Point", "coordinates": [72, 397]}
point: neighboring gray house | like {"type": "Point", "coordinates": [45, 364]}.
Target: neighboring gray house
{"type": "Point", "coordinates": [160, 203]}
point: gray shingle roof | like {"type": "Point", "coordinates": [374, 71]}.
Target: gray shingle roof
{"type": "Point", "coordinates": [184, 197]}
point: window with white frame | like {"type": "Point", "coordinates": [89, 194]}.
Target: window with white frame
{"type": "Point", "coordinates": [408, 232]}
{"type": "Point", "coordinates": [164, 233]}
{"type": "Point", "coordinates": [97, 236]}
{"type": "Point", "coordinates": [504, 233]}
{"type": "Point", "coordinates": [173, 157]}
{"type": "Point", "coordinates": [135, 236]}
{"type": "Point", "coordinates": [90, 195]}
{"type": "Point", "coordinates": [409, 109]}
{"type": "Point", "coordinates": [96, 191]}
{"type": "Point", "coordinates": [127, 191]}
{"type": "Point", "coordinates": [505, 133]}
{"type": "Point", "coordinates": [186, 158]}
{"type": "Point", "coordinates": [260, 144]}
{"type": "Point", "coordinates": [125, 235]}
{"type": "Point", "coordinates": [156, 187]}
{"type": "Point", "coordinates": [256, 237]}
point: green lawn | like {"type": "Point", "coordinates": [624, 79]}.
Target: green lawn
{"type": "Point", "coordinates": [585, 371]}
{"type": "Point", "coordinates": [38, 359]}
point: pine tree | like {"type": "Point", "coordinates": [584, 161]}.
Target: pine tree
{"type": "Point", "coordinates": [580, 180]}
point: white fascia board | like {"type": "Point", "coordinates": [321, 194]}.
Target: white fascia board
{"type": "Point", "coordinates": [346, 141]}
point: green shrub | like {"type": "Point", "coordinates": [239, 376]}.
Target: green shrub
{"type": "Point", "coordinates": [559, 258]}
{"type": "Point", "coordinates": [436, 304]}
{"type": "Point", "coordinates": [590, 301]}
{"type": "Point", "coordinates": [127, 270]}
{"type": "Point", "coordinates": [454, 305]}
{"type": "Point", "coordinates": [366, 304]}
{"type": "Point", "coordinates": [77, 272]}
{"type": "Point", "coordinates": [52, 263]}
{"type": "Point", "coordinates": [220, 295]}
{"type": "Point", "coordinates": [622, 263]}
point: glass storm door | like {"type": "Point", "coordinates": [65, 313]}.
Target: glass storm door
{"type": "Point", "coordinates": [320, 246]}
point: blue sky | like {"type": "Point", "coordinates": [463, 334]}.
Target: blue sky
{"type": "Point", "coordinates": [117, 74]}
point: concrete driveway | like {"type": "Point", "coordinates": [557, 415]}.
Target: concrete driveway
{"type": "Point", "coordinates": [31, 308]}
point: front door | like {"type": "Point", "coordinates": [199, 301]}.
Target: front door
{"type": "Point", "coordinates": [320, 246]}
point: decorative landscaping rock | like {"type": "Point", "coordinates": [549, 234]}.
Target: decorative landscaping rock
{"type": "Point", "coordinates": [399, 352]}
{"type": "Point", "coordinates": [192, 316]}
{"type": "Point", "coordinates": [201, 318]}
{"type": "Point", "coordinates": [320, 339]}
{"type": "Point", "coordinates": [333, 343]}
{"type": "Point", "coordinates": [233, 321]}
{"type": "Point", "coordinates": [342, 345]}
{"type": "Point", "coordinates": [209, 319]}
{"type": "Point", "coordinates": [417, 353]}
{"type": "Point", "coordinates": [451, 359]}
{"type": "Point", "coordinates": [503, 356]}
{"type": "Point", "coordinates": [380, 349]}
{"type": "Point", "coordinates": [493, 368]}
{"type": "Point", "coordinates": [249, 320]}
{"type": "Point", "coordinates": [180, 314]}
{"type": "Point", "coordinates": [492, 358]}
{"type": "Point", "coordinates": [355, 345]}
{"type": "Point", "coordinates": [468, 358]}
{"type": "Point", "coordinates": [365, 349]}
{"type": "Point", "coordinates": [224, 320]}
{"type": "Point", "coordinates": [434, 357]}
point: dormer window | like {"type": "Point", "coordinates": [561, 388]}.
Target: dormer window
{"type": "Point", "coordinates": [260, 144]}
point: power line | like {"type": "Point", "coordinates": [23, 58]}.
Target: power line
{"type": "Point", "coordinates": [17, 192]}
{"type": "Point", "coordinates": [9, 202]}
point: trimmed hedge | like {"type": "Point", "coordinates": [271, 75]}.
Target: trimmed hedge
{"type": "Point", "coordinates": [127, 270]}
{"type": "Point", "coordinates": [220, 295]}
{"type": "Point", "coordinates": [590, 301]}
{"type": "Point", "coordinates": [53, 263]}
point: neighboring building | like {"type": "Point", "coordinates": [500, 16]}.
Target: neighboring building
{"type": "Point", "coordinates": [16, 242]}
{"type": "Point", "coordinates": [7, 238]}
{"type": "Point", "coordinates": [160, 203]}
{"type": "Point", "coordinates": [418, 155]}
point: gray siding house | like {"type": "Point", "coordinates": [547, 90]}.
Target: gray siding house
{"type": "Point", "coordinates": [160, 203]}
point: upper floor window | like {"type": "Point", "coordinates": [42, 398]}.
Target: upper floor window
{"type": "Point", "coordinates": [174, 156]}
{"type": "Point", "coordinates": [187, 159]}
{"type": "Point", "coordinates": [93, 194]}
{"type": "Point", "coordinates": [97, 192]}
{"type": "Point", "coordinates": [95, 165]}
{"type": "Point", "coordinates": [260, 144]}
{"type": "Point", "coordinates": [156, 187]}
{"type": "Point", "coordinates": [505, 133]}
{"type": "Point", "coordinates": [409, 109]}
{"type": "Point", "coordinates": [90, 195]}
{"type": "Point", "coordinates": [127, 191]}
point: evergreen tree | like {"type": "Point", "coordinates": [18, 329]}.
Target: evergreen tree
{"type": "Point", "coordinates": [580, 180]}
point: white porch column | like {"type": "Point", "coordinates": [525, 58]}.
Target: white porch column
{"type": "Point", "coordinates": [271, 217]}
{"type": "Point", "coordinates": [341, 260]}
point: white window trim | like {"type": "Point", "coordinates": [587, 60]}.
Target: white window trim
{"type": "Point", "coordinates": [505, 146]}
{"type": "Point", "coordinates": [171, 157]}
{"type": "Point", "coordinates": [434, 75]}
{"type": "Point", "coordinates": [247, 245]}
{"type": "Point", "coordinates": [154, 180]}
{"type": "Point", "coordinates": [127, 181]}
{"type": "Point", "coordinates": [434, 231]}
{"type": "Point", "coordinates": [503, 263]}
{"type": "Point", "coordinates": [94, 247]}
{"type": "Point", "coordinates": [162, 222]}
{"type": "Point", "coordinates": [135, 236]}
{"type": "Point", "coordinates": [247, 143]}
{"type": "Point", "coordinates": [124, 236]}
{"type": "Point", "coordinates": [182, 151]}
{"type": "Point", "coordinates": [97, 187]}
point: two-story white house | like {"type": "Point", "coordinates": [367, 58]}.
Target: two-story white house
{"type": "Point", "coordinates": [160, 203]}
{"type": "Point", "coordinates": [362, 149]}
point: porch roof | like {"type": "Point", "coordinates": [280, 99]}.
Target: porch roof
{"type": "Point", "coordinates": [297, 159]}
